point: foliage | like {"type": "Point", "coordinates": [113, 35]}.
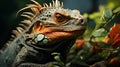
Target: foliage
{"type": "Point", "coordinates": [58, 59]}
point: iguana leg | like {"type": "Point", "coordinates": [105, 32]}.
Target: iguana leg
{"type": "Point", "coordinates": [20, 57]}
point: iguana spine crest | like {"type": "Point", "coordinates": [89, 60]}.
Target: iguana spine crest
{"type": "Point", "coordinates": [25, 25]}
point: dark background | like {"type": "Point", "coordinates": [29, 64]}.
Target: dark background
{"type": "Point", "coordinates": [8, 9]}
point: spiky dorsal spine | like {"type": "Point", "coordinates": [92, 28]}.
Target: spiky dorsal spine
{"type": "Point", "coordinates": [25, 25]}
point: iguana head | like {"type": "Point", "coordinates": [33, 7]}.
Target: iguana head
{"type": "Point", "coordinates": [59, 25]}
{"type": "Point", "coordinates": [55, 22]}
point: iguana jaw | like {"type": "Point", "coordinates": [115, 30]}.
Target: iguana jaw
{"type": "Point", "coordinates": [57, 33]}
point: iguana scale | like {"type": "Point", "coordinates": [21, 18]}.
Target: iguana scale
{"type": "Point", "coordinates": [49, 28]}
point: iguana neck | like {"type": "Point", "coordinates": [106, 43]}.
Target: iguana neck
{"type": "Point", "coordinates": [43, 55]}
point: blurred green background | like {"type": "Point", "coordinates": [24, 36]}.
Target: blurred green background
{"type": "Point", "coordinates": [8, 9]}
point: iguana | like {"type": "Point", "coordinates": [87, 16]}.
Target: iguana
{"type": "Point", "coordinates": [47, 29]}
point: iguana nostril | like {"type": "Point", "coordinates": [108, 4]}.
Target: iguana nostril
{"type": "Point", "coordinates": [82, 20]}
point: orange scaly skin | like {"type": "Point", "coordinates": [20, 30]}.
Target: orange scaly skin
{"type": "Point", "coordinates": [54, 34]}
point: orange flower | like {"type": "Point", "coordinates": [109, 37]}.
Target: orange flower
{"type": "Point", "coordinates": [114, 36]}
{"type": "Point", "coordinates": [114, 62]}
{"type": "Point", "coordinates": [107, 40]}
{"type": "Point", "coordinates": [116, 43]}
{"type": "Point", "coordinates": [79, 44]}
{"type": "Point", "coordinates": [114, 30]}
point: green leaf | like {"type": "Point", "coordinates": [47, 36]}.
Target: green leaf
{"type": "Point", "coordinates": [55, 53]}
{"type": "Point", "coordinates": [57, 58]}
{"type": "Point", "coordinates": [107, 13]}
{"type": "Point", "coordinates": [85, 15]}
{"type": "Point", "coordinates": [100, 32]}
{"type": "Point", "coordinates": [116, 10]}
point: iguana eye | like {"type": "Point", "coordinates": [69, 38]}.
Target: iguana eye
{"type": "Point", "coordinates": [59, 18]}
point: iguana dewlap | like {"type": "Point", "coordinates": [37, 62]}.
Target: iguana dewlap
{"type": "Point", "coordinates": [52, 29]}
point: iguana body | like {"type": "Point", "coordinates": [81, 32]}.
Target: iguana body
{"type": "Point", "coordinates": [48, 29]}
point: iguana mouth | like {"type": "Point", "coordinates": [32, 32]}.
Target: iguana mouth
{"type": "Point", "coordinates": [55, 33]}
{"type": "Point", "coordinates": [63, 34]}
